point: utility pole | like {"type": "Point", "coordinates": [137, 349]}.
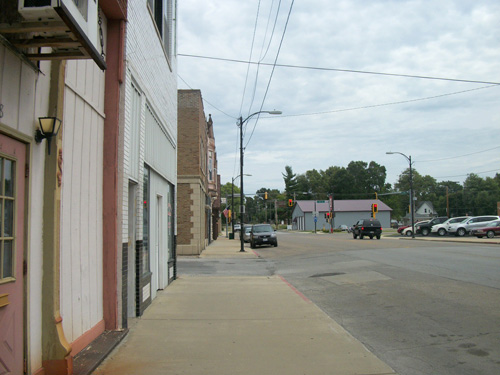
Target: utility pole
{"type": "Point", "coordinates": [447, 203]}
{"type": "Point", "coordinates": [276, 213]}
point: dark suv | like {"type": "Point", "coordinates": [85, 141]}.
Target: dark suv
{"type": "Point", "coordinates": [263, 234]}
{"type": "Point", "coordinates": [425, 229]}
{"type": "Point", "coordinates": [367, 227]}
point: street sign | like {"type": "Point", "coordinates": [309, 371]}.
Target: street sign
{"type": "Point", "coordinates": [320, 201]}
{"type": "Point", "coordinates": [315, 219]}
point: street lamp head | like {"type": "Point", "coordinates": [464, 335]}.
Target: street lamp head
{"type": "Point", "coordinates": [389, 152]}
{"type": "Point", "coordinates": [274, 112]}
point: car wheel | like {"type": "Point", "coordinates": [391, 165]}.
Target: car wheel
{"type": "Point", "coordinates": [378, 237]}
{"type": "Point", "coordinates": [409, 233]}
{"type": "Point", "coordinates": [276, 244]}
{"type": "Point", "coordinates": [461, 232]}
{"type": "Point", "coordinates": [425, 232]}
{"type": "Point", "coordinates": [490, 234]}
{"type": "Point", "coordinates": [442, 231]}
{"type": "Point", "coordinates": [371, 237]}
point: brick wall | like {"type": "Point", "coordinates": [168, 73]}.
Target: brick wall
{"type": "Point", "coordinates": [192, 164]}
{"type": "Point", "coordinates": [184, 223]}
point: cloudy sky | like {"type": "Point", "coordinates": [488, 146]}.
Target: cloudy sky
{"type": "Point", "coordinates": [334, 109]}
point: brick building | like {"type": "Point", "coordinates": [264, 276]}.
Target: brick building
{"type": "Point", "coordinates": [197, 182]}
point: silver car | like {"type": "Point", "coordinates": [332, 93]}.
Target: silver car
{"type": "Point", "coordinates": [467, 225]}
{"type": "Point", "coordinates": [246, 233]}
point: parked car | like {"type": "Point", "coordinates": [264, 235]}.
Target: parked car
{"type": "Point", "coordinates": [401, 228]}
{"type": "Point", "coordinates": [440, 229]}
{"type": "Point", "coordinates": [466, 226]}
{"type": "Point", "coordinates": [425, 229]}
{"type": "Point", "coordinates": [343, 228]}
{"type": "Point", "coordinates": [492, 230]}
{"type": "Point", "coordinates": [263, 234]}
{"type": "Point", "coordinates": [246, 233]}
{"type": "Point", "coordinates": [237, 227]}
{"type": "Point", "coordinates": [409, 231]}
{"type": "Point", "coordinates": [367, 227]}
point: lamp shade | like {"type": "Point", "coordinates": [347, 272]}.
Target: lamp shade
{"type": "Point", "coordinates": [49, 126]}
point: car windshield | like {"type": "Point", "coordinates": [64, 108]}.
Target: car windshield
{"type": "Point", "coordinates": [262, 228]}
{"type": "Point", "coordinates": [456, 220]}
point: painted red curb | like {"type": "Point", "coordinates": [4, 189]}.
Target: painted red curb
{"type": "Point", "coordinates": [295, 290]}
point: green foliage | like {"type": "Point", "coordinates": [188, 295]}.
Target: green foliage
{"type": "Point", "coordinates": [360, 180]}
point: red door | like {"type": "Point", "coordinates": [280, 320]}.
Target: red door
{"type": "Point", "coordinates": [12, 175]}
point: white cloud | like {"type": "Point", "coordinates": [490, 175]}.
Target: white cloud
{"type": "Point", "coordinates": [454, 39]}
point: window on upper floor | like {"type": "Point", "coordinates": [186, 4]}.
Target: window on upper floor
{"type": "Point", "coordinates": [210, 167]}
{"type": "Point", "coordinates": [163, 15]}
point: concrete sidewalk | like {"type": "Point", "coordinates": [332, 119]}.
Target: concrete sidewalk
{"type": "Point", "coordinates": [226, 248]}
{"type": "Point", "coordinates": [237, 325]}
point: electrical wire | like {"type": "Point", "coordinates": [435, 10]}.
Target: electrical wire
{"type": "Point", "coordinates": [206, 101]}
{"type": "Point", "coordinates": [342, 70]}
{"type": "Point", "coordinates": [459, 156]}
{"type": "Point", "coordinates": [250, 59]}
{"type": "Point", "coordinates": [388, 104]}
{"type": "Point", "coordinates": [263, 56]}
{"type": "Point", "coordinates": [463, 175]}
{"type": "Point", "coordinates": [272, 71]}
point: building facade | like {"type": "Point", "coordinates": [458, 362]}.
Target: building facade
{"type": "Point", "coordinates": [58, 274]}
{"type": "Point", "coordinates": [150, 155]}
{"type": "Point", "coordinates": [308, 215]}
{"type": "Point", "coordinates": [198, 183]}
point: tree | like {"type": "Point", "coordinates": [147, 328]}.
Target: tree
{"type": "Point", "coordinates": [290, 181]}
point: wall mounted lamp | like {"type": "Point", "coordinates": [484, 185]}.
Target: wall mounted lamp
{"type": "Point", "coordinates": [49, 127]}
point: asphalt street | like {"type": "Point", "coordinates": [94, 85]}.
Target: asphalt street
{"type": "Point", "coordinates": [422, 307]}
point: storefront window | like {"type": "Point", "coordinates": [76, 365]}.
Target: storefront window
{"type": "Point", "coordinates": [146, 223]}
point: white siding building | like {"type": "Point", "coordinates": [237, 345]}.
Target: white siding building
{"type": "Point", "coordinates": [150, 152]}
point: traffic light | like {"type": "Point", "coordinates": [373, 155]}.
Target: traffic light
{"type": "Point", "coordinates": [375, 208]}
{"type": "Point", "coordinates": [290, 202]}
{"type": "Point", "coordinates": [265, 195]}
{"type": "Point", "coordinates": [327, 215]}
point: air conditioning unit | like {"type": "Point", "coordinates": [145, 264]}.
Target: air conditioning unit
{"type": "Point", "coordinates": [81, 17]}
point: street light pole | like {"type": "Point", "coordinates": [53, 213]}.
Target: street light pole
{"type": "Point", "coordinates": [412, 203]}
{"type": "Point", "coordinates": [232, 200]}
{"type": "Point", "coordinates": [242, 196]}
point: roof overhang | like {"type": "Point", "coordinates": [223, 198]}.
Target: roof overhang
{"type": "Point", "coordinates": [62, 33]}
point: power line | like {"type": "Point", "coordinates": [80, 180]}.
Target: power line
{"type": "Point", "coordinates": [272, 72]}
{"type": "Point", "coordinates": [340, 70]}
{"type": "Point", "coordinates": [251, 52]}
{"type": "Point", "coordinates": [206, 101]}
{"type": "Point", "coordinates": [459, 156]}
{"type": "Point", "coordinates": [388, 104]}
{"type": "Point", "coordinates": [462, 175]}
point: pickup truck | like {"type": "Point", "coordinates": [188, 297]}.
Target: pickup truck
{"type": "Point", "coordinates": [425, 229]}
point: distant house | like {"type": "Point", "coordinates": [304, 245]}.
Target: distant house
{"type": "Point", "coordinates": [424, 211]}
{"type": "Point", "coordinates": [346, 212]}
